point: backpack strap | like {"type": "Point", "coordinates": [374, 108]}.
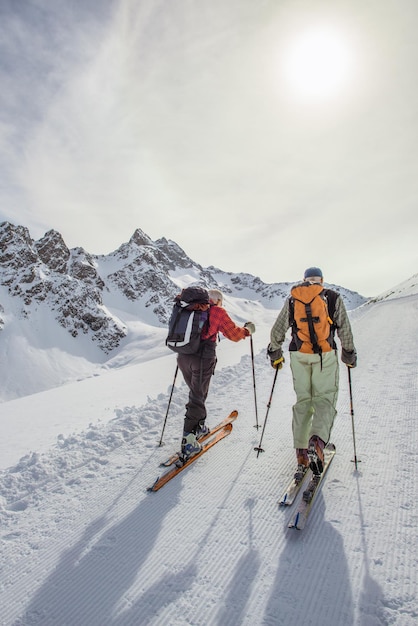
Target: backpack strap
{"type": "Point", "coordinates": [331, 298]}
{"type": "Point", "coordinates": [177, 309]}
{"type": "Point", "coordinates": [311, 320]}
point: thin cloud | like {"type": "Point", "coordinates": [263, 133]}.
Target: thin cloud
{"type": "Point", "coordinates": [172, 118]}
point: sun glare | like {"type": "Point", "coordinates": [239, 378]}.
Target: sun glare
{"type": "Point", "coordinates": [317, 64]}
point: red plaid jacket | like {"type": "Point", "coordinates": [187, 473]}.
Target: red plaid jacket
{"type": "Point", "coordinates": [220, 322]}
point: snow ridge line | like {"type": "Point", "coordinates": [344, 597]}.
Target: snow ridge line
{"type": "Point", "coordinates": [66, 463]}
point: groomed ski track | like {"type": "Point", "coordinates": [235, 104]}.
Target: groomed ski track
{"type": "Point", "coordinates": [83, 543]}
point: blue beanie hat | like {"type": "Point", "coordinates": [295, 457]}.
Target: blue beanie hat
{"type": "Point", "coordinates": [312, 271]}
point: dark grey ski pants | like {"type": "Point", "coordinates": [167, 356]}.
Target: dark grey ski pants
{"type": "Point", "coordinates": [197, 373]}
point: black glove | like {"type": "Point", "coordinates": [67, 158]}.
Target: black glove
{"type": "Point", "coordinates": [276, 358]}
{"type": "Point", "coordinates": [349, 357]}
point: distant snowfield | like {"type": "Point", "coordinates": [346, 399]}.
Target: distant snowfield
{"type": "Point", "coordinates": [83, 543]}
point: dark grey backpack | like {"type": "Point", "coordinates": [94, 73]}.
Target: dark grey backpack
{"type": "Point", "coordinates": [189, 316]}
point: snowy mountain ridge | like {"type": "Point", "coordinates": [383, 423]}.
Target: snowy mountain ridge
{"type": "Point", "coordinates": [102, 310]}
{"type": "Point", "coordinates": [141, 274]}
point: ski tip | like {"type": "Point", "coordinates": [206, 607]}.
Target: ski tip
{"type": "Point", "coordinates": [331, 447]}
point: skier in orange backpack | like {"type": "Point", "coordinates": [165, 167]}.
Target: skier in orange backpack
{"type": "Point", "coordinates": [314, 314]}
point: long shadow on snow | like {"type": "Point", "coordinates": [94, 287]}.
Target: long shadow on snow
{"type": "Point", "coordinates": [312, 584]}
{"type": "Point", "coordinates": [246, 570]}
{"type": "Point", "coordinates": [371, 604]}
{"type": "Point", "coordinates": [93, 575]}
{"type": "Point", "coordinates": [162, 593]}
{"type": "Point", "coordinates": [167, 588]}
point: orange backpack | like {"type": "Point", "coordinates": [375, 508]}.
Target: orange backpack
{"type": "Point", "coordinates": [312, 326]}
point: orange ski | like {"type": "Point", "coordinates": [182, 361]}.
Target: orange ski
{"type": "Point", "coordinates": [209, 442]}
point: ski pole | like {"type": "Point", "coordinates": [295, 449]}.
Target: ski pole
{"type": "Point", "coordinates": [255, 393]}
{"type": "Point", "coordinates": [168, 407]}
{"type": "Point", "coordinates": [352, 415]}
{"type": "Point", "coordinates": [259, 448]}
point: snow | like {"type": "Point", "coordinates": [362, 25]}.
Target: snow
{"type": "Point", "coordinates": [84, 543]}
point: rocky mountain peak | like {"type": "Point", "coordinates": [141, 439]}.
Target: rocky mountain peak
{"type": "Point", "coordinates": [16, 249]}
{"type": "Point", "coordinates": [139, 238]}
{"type": "Point", "coordinates": [53, 252]}
{"type": "Point", "coordinates": [46, 276]}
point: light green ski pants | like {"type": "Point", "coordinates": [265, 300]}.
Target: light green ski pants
{"type": "Point", "coordinates": [316, 391]}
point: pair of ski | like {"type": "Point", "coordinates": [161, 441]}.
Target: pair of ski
{"type": "Point", "coordinates": [220, 431]}
{"type": "Point", "coordinates": [300, 516]}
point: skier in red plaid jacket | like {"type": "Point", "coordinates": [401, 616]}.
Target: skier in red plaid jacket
{"type": "Point", "coordinates": [197, 369]}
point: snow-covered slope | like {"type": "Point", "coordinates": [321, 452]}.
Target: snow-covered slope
{"type": "Point", "coordinates": [83, 543]}
{"type": "Point", "coordinates": [409, 286]}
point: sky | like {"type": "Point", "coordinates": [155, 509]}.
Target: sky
{"type": "Point", "coordinates": [262, 137]}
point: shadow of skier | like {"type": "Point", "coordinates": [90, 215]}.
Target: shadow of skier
{"type": "Point", "coordinates": [371, 602]}
{"type": "Point", "coordinates": [246, 570]}
{"type": "Point", "coordinates": [91, 577]}
{"type": "Point", "coordinates": [163, 592]}
{"type": "Point", "coordinates": [171, 585]}
{"type": "Point", "coordinates": [313, 573]}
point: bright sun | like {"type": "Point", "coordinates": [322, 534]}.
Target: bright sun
{"type": "Point", "coordinates": [318, 63]}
